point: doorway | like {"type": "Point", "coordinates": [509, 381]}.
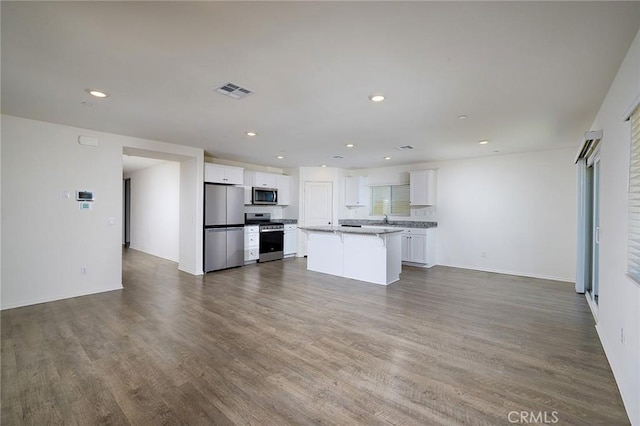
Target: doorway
{"type": "Point", "coordinates": [153, 206]}
{"type": "Point", "coordinates": [190, 163]}
{"type": "Point", "coordinates": [588, 258]}
{"type": "Point", "coordinates": [126, 242]}
{"type": "Point", "coordinates": [593, 176]}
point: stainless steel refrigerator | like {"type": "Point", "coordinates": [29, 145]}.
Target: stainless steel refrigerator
{"type": "Point", "coordinates": [223, 227]}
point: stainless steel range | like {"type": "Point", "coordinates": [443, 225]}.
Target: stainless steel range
{"type": "Point", "coordinates": [271, 236]}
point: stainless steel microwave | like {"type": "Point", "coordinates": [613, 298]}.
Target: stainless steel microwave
{"type": "Point", "coordinates": [264, 196]}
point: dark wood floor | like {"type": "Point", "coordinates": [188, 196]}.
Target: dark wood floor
{"type": "Point", "coordinates": [273, 344]}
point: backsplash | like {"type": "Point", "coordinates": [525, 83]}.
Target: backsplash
{"type": "Point", "coordinates": [428, 214]}
{"type": "Point", "coordinates": [391, 223]}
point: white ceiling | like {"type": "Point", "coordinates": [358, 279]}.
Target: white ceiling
{"type": "Point", "coordinates": [529, 75]}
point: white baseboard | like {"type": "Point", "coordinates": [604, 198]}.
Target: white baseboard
{"type": "Point", "coordinates": [520, 274]}
{"type": "Point", "coordinates": [59, 297]}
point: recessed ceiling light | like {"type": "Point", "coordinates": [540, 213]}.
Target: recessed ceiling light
{"type": "Point", "coordinates": [376, 98]}
{"type": "Point", "coordinates": [251, 133]}
{"type": "Point", "coordinates": [97, 93]}
{"type": "Point", "coordinates": [462, 117]}
{"type": "Point", "coordinates": [279, 157]}
{"type": "Point", "coordinates": [484, 142]}
{"type": "Point", "coordinates": [349, 145]}
{"type": "Point", "coordinates": [324, 165]}
{"type": "Point", "coordinates": [387, 158]}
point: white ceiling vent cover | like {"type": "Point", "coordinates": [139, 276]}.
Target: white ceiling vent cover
{"type": "Point", "coordinates": [233, 91]}
{"type": "Point", "coordinates": [405, 148]}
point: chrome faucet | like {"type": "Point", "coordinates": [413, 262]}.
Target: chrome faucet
{"type": "Point", "coordinates": [386, 219]}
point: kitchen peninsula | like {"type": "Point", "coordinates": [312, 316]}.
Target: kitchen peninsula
{"type": "Point", "coordinates": [372, 255]}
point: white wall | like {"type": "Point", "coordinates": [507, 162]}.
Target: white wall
{"type": "Point", "coordinates": [619, 297]}
{"type": "Point", "coordinates": [518, 209]}
{"type": "Point", "coordinates": [155, 210]}
{"type": "Point", "coordinates": [46, 238]}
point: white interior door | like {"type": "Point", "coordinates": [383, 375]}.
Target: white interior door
{"type": "Point", "coordinates": [318, 203]}
{"type": "Point", "coordinates": [318, 209]}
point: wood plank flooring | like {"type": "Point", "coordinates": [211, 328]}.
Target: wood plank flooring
{"type": "Point", "coordinates": [274, 344]}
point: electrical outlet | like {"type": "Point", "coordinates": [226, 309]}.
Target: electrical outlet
{"type": "Point", "coordinates": [83, 270]}
{"type": "Point", "coordinates": [484, 254]}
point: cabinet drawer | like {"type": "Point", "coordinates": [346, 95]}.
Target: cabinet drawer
{"type": "Point", "coordinates": [251, 254]}
{"type": "Point", "coordinates": [251, 240]}
{"type": "Point", "coordinates": [415, 231]}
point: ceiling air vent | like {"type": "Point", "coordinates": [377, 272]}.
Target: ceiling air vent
{"type": "Point", "coordinates": [233, 91]}
{"type": "Point", "coordinates": [405, 148]}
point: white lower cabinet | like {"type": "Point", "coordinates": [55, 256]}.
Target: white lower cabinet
{"type": "Point", "coordinates": [418, 246]}
{"type": "Point", "coordinates": [290, 239]}
{"type": "Point", "coordinates": [251, 243]}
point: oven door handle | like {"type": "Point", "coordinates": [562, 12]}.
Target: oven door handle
{"type": "Point", "coordinates": [272, 230]}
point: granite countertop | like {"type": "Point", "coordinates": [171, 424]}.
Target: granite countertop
{"type": "Point", "coordinates": [286, 221]}
{"type": "Point", "coordinates": [392, 223]}
{"type": "Point", "coordinates": [349, 230]}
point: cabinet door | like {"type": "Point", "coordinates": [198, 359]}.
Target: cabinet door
{"type": "Point", "coordinates": [247, 195]}
{"type": "Point", "coordinates": [284, 191]}
{"type": "Point", "coordinates": [290, 241]}
{"type": "Point", "coordinates": [233, 175]}
{"type": "Point", "coordinates": [422, 188]}
{"type": "Point", "coordinates": [265, 180]}
{"type": "Point", "coordinates": [355, 191]}
{"type": "Point", "coordinates": [213, 173]}
{"type": "Point", "coordinates": [418, 248]}
{"type": "Point", "coordinates": [351, 191]}
{"type": "Point", "coordinates": [406, 248]}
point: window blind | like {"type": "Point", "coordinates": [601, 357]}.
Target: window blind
{"type": "Point", "coordinates": [400, 200]}
{"type": "Point", "coordinates": [380, 199]}
{"type": "Point", "coordinates": [633, 268]}
{"type": "Point", "coordinates": [390, 200]}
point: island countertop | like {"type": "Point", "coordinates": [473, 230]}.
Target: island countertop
{"type": "Point", "coordinates": [350, 230]}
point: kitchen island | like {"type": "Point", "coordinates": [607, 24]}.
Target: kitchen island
{"type": "Point", "coordinates": [371, 255]}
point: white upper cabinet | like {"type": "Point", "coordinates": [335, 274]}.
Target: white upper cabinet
{"type": "Point", "coordinates": [261, 179]}
{"type": "Point", "coordinates": [422, 184]}
{"type": "Point", "coordinates": [284, 189]}
{"type": "Point", "coordinates": [356, 193]}
{"type": "Point", "coordinates": [218, 173]}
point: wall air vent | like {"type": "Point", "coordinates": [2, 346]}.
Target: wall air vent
{"type": "Point", "coordinates": [233, 91]}
{"type": "Point", "coordinates": [405, 148]}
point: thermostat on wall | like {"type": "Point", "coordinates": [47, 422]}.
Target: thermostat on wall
{"type": "Point", "coordinates": [84, 196]}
